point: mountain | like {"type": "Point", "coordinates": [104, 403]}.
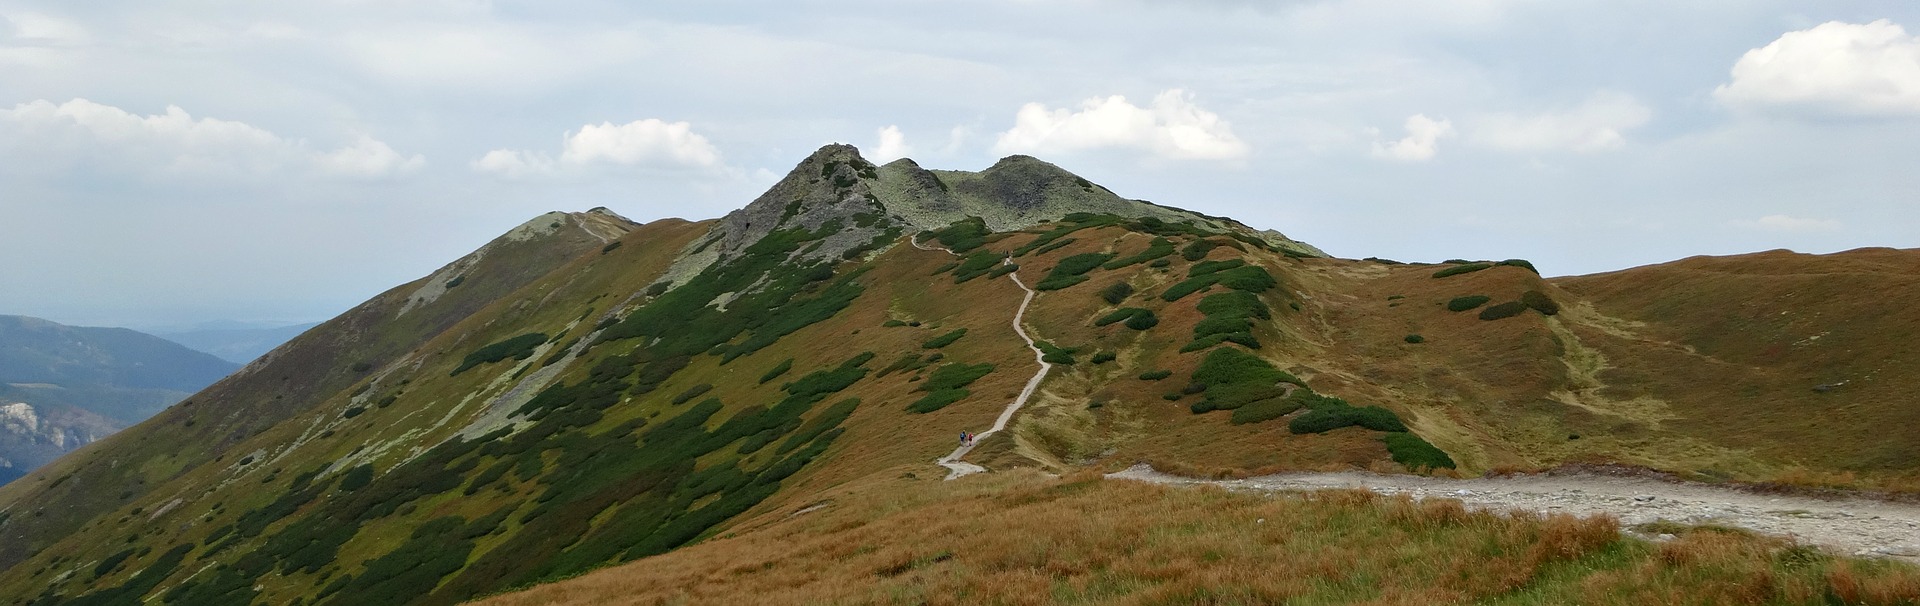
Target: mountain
{"type": "Point", "coordinates": [239, 345]}
{"type": "Point", "coordinates": [62, 387]}
{"type": "Point", "coordinates": [585, 391]}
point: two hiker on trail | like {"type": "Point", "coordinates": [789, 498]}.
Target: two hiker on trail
{"type": "Point", "coordinates": [966, 438]}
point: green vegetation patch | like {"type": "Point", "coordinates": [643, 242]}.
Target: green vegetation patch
{"type": "Point", "coordinates": [1054, 354]}
{"type": "Point", "coordinates": [1137, 318]}
{"type": "Point", "coordinates": [1330, 413]}
{"type": "Point", "coordinates": [1232, 378]}
{"type": "Point", "coordinates": [1072, 270]}
{"type": "Point", "coordinates": [1160, 247]}
{"type": "Point", "coordinates": [963, 235]}
{"type": "Point", "coordinates": [976, 264]}
{"type": "Point", "coordinates": [1198, 249]}
{"type": "Point", "coordinates": [1467, 302]}
{"type": "Point", "coordinates": [1116, 293]}
{"type": "Point", "coordinates": [1230, 318]}
{"type": "Point", "coordinates": [518, 348]}
{"type": "Point", "coordinates": [1237, 276]}
{"type": "Point", "coordinates": [691, 393]}
{"type": "Point", "coordinates": [1520, 263]}
{"type": "Point", "coordinates": [1466, 268]}
{"type": "Point", "coordinates": [1155, 375]}
{"type": "Point", "coordinates": [777, 370]}
{"type": "Point", "coordinates": [1415, 339]}
{"type": "Point", "coordinates": [947, 385]}
{"type": "Point", "coordinates": [945, 340]}
{"type": "Point", "coordinates": [1416, 454]}
{"type": "Point", "coordinates": [1502, 311]}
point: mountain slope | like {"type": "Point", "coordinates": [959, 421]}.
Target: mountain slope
{"type": "Point", "coordinates": [584, 392]}
{"type": "Point", "coordinates": [290, 379]}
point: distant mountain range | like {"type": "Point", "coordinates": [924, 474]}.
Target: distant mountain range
{"type": "Point", "coordinates": [237, 344]}
{"type": "Point", "coordinates": [62, 387]}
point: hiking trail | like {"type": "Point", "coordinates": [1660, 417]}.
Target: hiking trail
{"type": "Point", "coordinates": [1852, 526]}
{"type": "Point", "coordinates": [955, 466]}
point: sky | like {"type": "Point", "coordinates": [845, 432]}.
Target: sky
{"type": "Point", "coordinates": [170, 162]}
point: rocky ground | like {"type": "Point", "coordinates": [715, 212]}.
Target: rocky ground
{"type": "Point", "coordinates": [1860, 527]}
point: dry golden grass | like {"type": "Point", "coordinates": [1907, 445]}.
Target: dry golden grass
{"type": "Point", "coordinates": [1023, 538]}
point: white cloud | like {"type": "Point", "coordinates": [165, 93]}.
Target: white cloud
{"type": "Point", "coordinates": [650, 143]}
{"type": "Point", "coordinates": [1788, 223]}
{"type": "Point", "coordinates": [1171, 127]}
{"type": "Point", "coordinates": [1420, 144]}
{"type": "Point", "coordinates": [892, 146]}
{"type": "Point", "coordinates": [368, 157]}
{"type": "Point", "coordinates": [98, 136]}
{"type": "Point", "coordinates": [1596, 125]}
{"type": "Point", "coordinates": [1835, 67]}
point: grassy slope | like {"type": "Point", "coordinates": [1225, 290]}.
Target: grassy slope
{"type": "Point", "coordinates": [1737, 344]}
{"type": "Point", "coordinates": [1022, 538]}
{"type": "Point", "coordinates": [129, 469]}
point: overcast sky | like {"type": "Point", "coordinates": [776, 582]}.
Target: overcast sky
{"type": "Point", "coordinates": [167, 162]}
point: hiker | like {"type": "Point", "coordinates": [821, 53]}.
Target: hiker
{"type": "Point", "coordinates": [963, 438]}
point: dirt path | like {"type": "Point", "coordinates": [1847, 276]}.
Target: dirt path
{"type": "Point", "coordinates": [1850, 527]}
{"type": "Point", "coordinates": [955, 466]}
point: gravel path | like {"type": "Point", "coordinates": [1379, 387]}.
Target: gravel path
{"type": "Point", "coordinates": [955, 466]}
{"type": "Point", "coordinates": [1858, 527]}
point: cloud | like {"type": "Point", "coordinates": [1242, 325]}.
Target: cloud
{"type": "Point", "coordinates": [1171, 127]}
{"type": "Point", "coordinates": [1787, 223]}
{"type": "Point", "coordinates": [892, 146]}
{"type": "Point", "coordinates": [1595, 125]}
{"type": "Point", "coordinates": [649, 143]}
{"type": "Point", "coordinates": [85, 134]}
{"type": "Point", "coordinates": [1420, 144]}
{"type": "Point", "coordinates": [1834, 68]}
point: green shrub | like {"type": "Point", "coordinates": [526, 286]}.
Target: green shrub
{"type": "Point", "coordinates": [975, 265]}
{"type": "Point", "coordinates": [1116, 293]}
{"type": "Point", "coordinates": [1119, 315]}
{"type": "Point", "coordinates": [963, 235]}
{"type": "Point", "coordinates": [457, 280]}
{"type": "Point", "coordinates": [1155, 375]}
{"type": "Point", "coordinates": [1520, 263]}
{"type": "Point", "coordinates": [892, 323]}
{"type": "Point", "coordinates": [826, 420]}
{"type": "Point", "coordinates": [953, 376]}
{"type": "Point", "coordinates": [1227, 366]}
{"type": "Point", "coordinates": [1054, 354]}
{"type": "Point", "coordinates": [944, 340]}
{"type": "Point", "coordinates": [1461, 269]}
{"type": "Point", "coordinates": [353, 411]}
{"type": "Point", "coordinates": [610, 246]}
{"type": "Point", "coordinates": [777, 370]}
{"type": "Point", "coordinates": [691, 393]}
{"type": "Point", "coordinates": [1266, 409]}
{"type": "Point", "coordinates": [356, 477]}
{"type": "Point", "coordinates": [1072, 270]}
{"type": "Point", "coordinates": [1416, 339]}
{"type": "Point", "coordinates": [1467, 302]}
{"type": "Point", "coordinates": [1104, 357]}
{"type": "Point", "coordinates": [1249, 278]}
{"type": "Point", "coordinates": [1504, 310]}
{"type": "Point", "coordinates": [1329, 418]}
{"type": "Point", "coordinates": [1143, 320]}
{"type": "Point", "coordinates": [1416, 454]}
{"type": "Point", "coordinates": [1540, 302]}
{"type": "Point", "coordinates": [1198, 249]}
{"type": "Point", "coordinates": [1190, 286]}
{"type": "Point", "coordinates": [1160, 247]}
{"type": "Point", "coordinates": [518, 348]}
{"type": "Point", "coordinates": [1207, 267]}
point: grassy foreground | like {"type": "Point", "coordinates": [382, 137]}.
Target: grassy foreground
{"type": "Point", "coordinates": [1024, 538]}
